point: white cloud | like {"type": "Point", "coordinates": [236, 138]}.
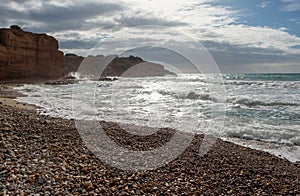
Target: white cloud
{"type": "Point", "coordinates": [260, 37]}
{"type": "Point", "coordinates": [264, 4]}
{"type": "Point", "coordinates": [291, 5]}
{"type": "Point", "coordinates": [77, 22]}
{"type": "Point", "coordinates": [216, 23]}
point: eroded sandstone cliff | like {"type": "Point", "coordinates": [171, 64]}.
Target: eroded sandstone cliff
{"type": "Point", "coordinates": [25, 54]}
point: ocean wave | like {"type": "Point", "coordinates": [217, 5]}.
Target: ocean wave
{"type": "Point", "coordinates": [243, 83]}
{"type": "Point", "coordinates": [190, 95]}
{"type": "Point", "coordinates": [294, 85]}
{"type": "Point", "coordinates": [264, 77]}
{"type": "Point", "coordinates": [295, 140]}
{"type": "Point", "coordinates": [251, 103]}
{"type": "Point", "coordinates": [271, 84]}
{"type": "Point", "coordinates": [204, 96]}
{"type": "Point", "coordinates": [292, 141]}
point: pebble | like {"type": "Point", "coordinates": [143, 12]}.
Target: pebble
{"type": "Point", "coordinates": [49, 158]}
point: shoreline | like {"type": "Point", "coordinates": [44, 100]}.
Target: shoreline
{"type": "Point", "coordinates": [46, 155]}
{"type": "Point", "coordinates": [281, 150]}
{"type": "Point", "coordinates": [8, 95]}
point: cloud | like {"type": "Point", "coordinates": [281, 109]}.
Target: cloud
{"type": "Point", "coordinates": [291, 5]}
{"type": "Point", "coordinates": [80, 12]}
{"type": "Point", "coordinates": [78, 25]}
{"type": "Point", "coordinates": [251, 36]}
{"type": "Point", "coordinates": [132, 21]}
{"type": "Point", "coordinates": [77, 44]}
{"type": "Point", "coordinates": [264, 4]}
{"type": "Point", "coordinates": [53, 16]}
{"type": "Point", "coordinates": [50, 17]}
{"type": "Point", "coordinates": [235, 58]}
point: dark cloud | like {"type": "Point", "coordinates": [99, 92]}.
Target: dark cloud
{"type": "Point", "coordinates": [131, 21]}
{"type": "Point", "coordinates": [8, 14]}
{"type": "Point", "coordinates": [234, 58]}
{"type": "Point", "coordinates": [61, 26]}
{"type": "Point", "coordinates": [227, 47]}
{"type": "Point", "coordinates": [18, 1]}
{"type": "Point", "coordinates": [77, 44]}
{"type": "Point", "coordinates": [51, 18]}
{"type": "Point", "coordinates": [78, 12]}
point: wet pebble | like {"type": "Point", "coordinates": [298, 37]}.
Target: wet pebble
{"type": "Point", "coordinates": [45, 156]}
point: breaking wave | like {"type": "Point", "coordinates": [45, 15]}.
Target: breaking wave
{"type": "Point", "coordinates": [251, 103]}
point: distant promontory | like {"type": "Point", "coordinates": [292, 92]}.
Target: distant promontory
{"type": "Point", "coordinates": [30, 55]}
{"type": "Point", "coordinates": [113, 66]}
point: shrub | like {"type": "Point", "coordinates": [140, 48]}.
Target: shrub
{"type": "Point", "coordinates": [16, 27]}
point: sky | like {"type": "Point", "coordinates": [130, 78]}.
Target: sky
{"type": "Point", "coordinates": [242, 36]}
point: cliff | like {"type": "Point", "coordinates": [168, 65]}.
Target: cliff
{"type": "Point", "coordinates": [113, 66]}
{"type": "Point", "coordinates": [25, 54]}
{"type": "Point", "coordinates": [71, 63]}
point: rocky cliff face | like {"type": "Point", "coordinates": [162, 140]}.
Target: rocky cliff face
{"type": "Point", "coordinates": [24, 54]}
{"type": "Point", "coordinates": [102, 66]}
{"type": "Point", "coordinates": [71, 63]}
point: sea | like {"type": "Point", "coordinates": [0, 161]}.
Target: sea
{"type": "Point", "coordinates": [260, 111]}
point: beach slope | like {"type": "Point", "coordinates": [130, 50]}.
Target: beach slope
{"type": "Point", "coordinates": [46, 155]}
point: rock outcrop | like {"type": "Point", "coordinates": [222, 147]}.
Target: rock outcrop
{"type": "Point", "coordinates": [102, 66]}
{"type": "Point", "coordinates": [134, 67]}
{"type": "Point", "coordinates": [71, 63]}
{"type": "Point", "coordinates": [25, 54]}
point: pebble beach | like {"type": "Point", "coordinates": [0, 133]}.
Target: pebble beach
{"type": "Point", "coordinates": [46, 156]}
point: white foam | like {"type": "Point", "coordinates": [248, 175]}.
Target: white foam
{"type": "Point", "coordinates": [287, 151]}
{"type": "Point", "coordinates": [256, 110]}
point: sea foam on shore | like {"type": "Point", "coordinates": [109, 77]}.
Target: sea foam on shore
{"type": "Point", "coordinates": [255, 108]}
